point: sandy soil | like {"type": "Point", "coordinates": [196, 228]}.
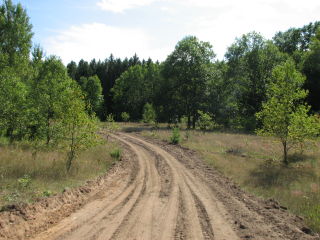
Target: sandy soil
{"type": "Point", "coordinates": [158, 191]}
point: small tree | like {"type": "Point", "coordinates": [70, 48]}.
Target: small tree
{"type": "Point", "coordinates": [284, 115]}
{"type": "Point", "coordinates": [205, 121]}
{"type": "Point", "coordinates": [149, 114]}
{"type": "Point", "coordinates": [175, 137]}
{"type": "Point", "coordinates": [79, 128]}
{"type": "Point", "coordinates": [125, 116]}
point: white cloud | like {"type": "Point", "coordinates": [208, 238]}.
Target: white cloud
{"type": "Point", "coordinates": [98, 41]}
{"type": "Point", "coordinates": [118, 6]}
{"type": "Point", "coordinates": [218, 22]}
{"type": "Point", "coordinates": [240, 17]}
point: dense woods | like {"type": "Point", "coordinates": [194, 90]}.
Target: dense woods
{"type": "Point", "coordinates": [192, 79]}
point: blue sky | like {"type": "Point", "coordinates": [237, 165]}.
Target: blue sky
{"type": "Point", "coordinates": [75, 29]}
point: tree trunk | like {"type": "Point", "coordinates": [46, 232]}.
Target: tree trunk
{"type": "Point", "coordinates": [194, 122]}
{"type": "Point", "coordinates": [285, 152]}
{"type": "Point", "coordinates": [189, 121]}
{"type": "Point", "coordinates": [48, 129]}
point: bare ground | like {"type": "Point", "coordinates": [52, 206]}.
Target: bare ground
{"type": "Point", "coordinates": [158, 191]}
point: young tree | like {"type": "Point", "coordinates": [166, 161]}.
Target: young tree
{"type": "Point", "coordinates": [125, 116]}
{"type": "Point", "coordinates": [284, 115]}
{"type": "Point", "coordinates": [79, 129]}
{"type": "Point", "coordinates": [48, 92]}
{"type": "Point", "coordinates": [149, 114]}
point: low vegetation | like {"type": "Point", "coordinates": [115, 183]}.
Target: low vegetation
{"type": "Point", "coordinates": [26, 175]}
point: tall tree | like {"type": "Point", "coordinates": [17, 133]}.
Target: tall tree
{"type": "Point", "coordinates": [134, 88]}
{"type": "Point", "coordinates": [188, 67]}
{"type": "Point", "coordinates": [250, 62]}
{"type": "Point", "coordinates": [48, 94]}
{"type": "Point", "coordinates": [16, 31]}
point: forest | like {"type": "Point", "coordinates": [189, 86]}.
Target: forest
{"type": "Point", "coordinates": [232, 90]}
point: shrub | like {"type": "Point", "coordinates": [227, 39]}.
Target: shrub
{"type": "Point", "coordinates": [24, 181]}
{"type": "Point", "coordinates": [175, 137]}
{"type": "Point", "coordinates": [125, 116]}
{"type": "Point", "coordinates": [149, 114]}
{"type": "Point", "coordinates": [205, 121]}
{"type": "Point", "coordinates": [116, 154]}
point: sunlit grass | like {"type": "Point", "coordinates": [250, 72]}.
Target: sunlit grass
{"type": "Point", "coordinates": [26, 175]}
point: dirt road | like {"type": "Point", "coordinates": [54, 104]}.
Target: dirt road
{"type": "Point", "coordinates": [166, 192]}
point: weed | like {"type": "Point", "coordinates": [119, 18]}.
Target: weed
{"type": "Point", "coordinates": [116, 154]}
{"type": "Point", "coordinates": [47, 193]}
{"type": "Point", "coordinates": [24, 181]}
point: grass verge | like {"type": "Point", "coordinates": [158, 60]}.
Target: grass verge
{"type": "Point", "coordinates": [26, 175]}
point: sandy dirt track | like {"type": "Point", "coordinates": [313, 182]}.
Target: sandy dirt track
{"type": "Point", "coordinates": [167, 192]}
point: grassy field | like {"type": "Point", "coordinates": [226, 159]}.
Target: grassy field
{"type": "Point", "coordinates": [255, 163]}
{"type": "Point", "coordinates": [26, 175]}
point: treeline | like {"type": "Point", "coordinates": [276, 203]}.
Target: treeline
{"type": "Point", "coordinates": [40, 103]}
{"type": "Point", "coordinates": [191, 79]}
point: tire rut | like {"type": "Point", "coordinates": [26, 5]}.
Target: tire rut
{"type": "Point", "coordinates": [167, 195]}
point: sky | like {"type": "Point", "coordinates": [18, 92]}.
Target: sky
{"type": "Point", "coordinates": [87, 29]}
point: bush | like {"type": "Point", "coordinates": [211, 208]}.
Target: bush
{"type": "Point", "coordinates": [205, 121]}
{"type": "Point", "coordinates": [25, 181]}
{"type": "Point", "coordinates": [175, 137]}
{"type": "Point", "coordinates": [125, 116]}
{"type": "Point", "coordinates": [149, 114]}
{"type": "Point", "coordinates": [116, 154]}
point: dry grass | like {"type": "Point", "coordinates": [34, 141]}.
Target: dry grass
{"type": "Point", "coordinates": [255, 163]}
{"type": "Point", "coordinates": [26, 175]}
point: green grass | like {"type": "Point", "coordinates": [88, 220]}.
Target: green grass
{"type": "Point", "coordinates": [26, 175]}
{"type": "Point", "coordinates": [254, 162]}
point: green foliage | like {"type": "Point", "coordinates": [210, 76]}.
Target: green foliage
{"type": "Point", "coordinates": [205, 121]}
{"type": "Point", "coordinates": [92, 89]}
{"type": "Point", "coordinates": [24, 181]}
{"type": "Point", "coordinates": [16, 32]}
{"type": "Point", "coordinates": [149, 114]}
{"type": "Point", "coordinates": [116, 154]}
{"type": "Point", "coordinates": [13, 107]}
{"type": "Point", "coordinates": [134, 88]}
{"type": "Point", "coordinates": [125, 116]}
{"type": "Point", "coordinates": [111, 124]}
{"type": "Point", "coordinates": [311, 68]}
{"type": "Point", "coordinates": [79, 128]}
{"type": "Point", "coordinates": [175, 137]}
{"type": "Point", "coordinates": [47, 193]}
{"type": "Point", "coordinates": [284, 115]}
{"type": "Point", "coordinates": [186, 69]}
{"type": "Point", "coordinates": [250, 62]}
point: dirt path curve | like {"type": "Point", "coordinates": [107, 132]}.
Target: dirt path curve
{"type": "Point", "coordinates": [166, 196]}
